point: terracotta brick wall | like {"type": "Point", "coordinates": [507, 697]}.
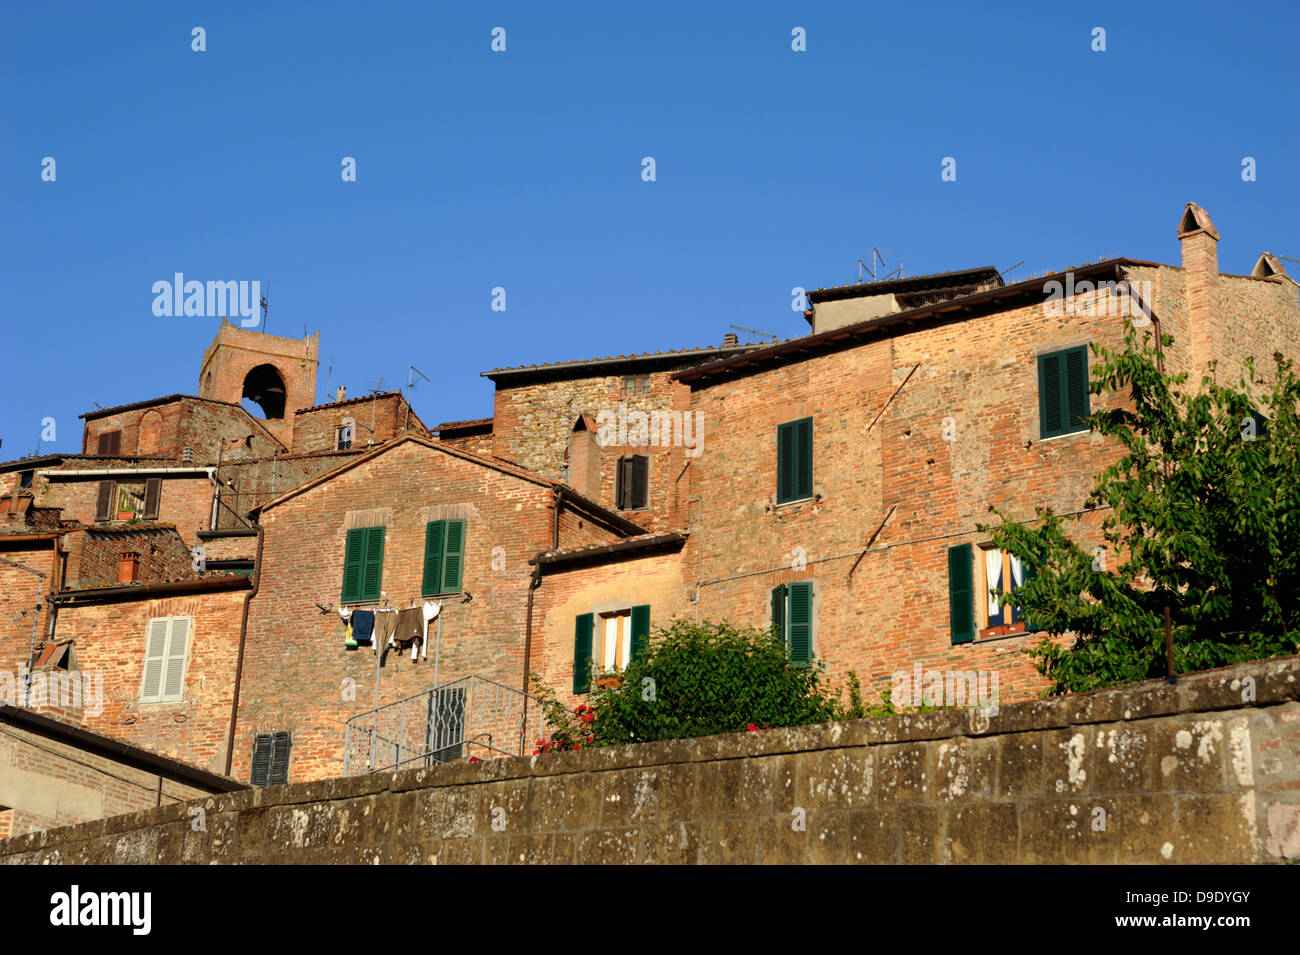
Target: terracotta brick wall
{"type": "Point", "coordinates": [961, 436]}
{"type": "Point", "coordinates": [110, 640]}
{"type": "Point", "coordinates": [376, 420]}
{"type": "Point", "coordinates": [21, 591]}
{"type": "Point", "coordinates": [94, 556]}
{"type": "Point", "coordinates": [186, 500]}
{"type": "Point", "coordinates": [297, 667]}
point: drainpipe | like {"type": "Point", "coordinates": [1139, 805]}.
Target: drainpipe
{"type": "Point", "coordinates": [243, 635]}
{"type": "Point", "coordinates": [533, 584]}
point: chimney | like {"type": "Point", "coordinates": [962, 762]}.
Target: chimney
{"type": "Point", "coordinates": [730, 340]}
{"type": "Point", "coordinates": [341, 394]}
{"type": "Point", "coordinates": [128, 567]}
{"type": "Point", "coordinates": [1200, 241]}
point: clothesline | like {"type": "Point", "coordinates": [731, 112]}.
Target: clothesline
{"type": "Point", "coordinates": [395, 628]}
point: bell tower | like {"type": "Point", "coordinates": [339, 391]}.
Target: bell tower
{"type": "Point", "coordinates": [278, 375]}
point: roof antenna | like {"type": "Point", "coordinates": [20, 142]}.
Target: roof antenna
{"type": "Point", "coordinates": [410, 387]}
{"type": "Point", "coordinates": [877, 262]}
{"type": "Point", "coordinates": [266, 305]}
{"type": "Point", "coordinates": [754, 331]}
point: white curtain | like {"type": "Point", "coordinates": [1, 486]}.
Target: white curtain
{"type": "Point", "coordinates": [1017, 578]}
{"type": "Point", "coordinates": [993, 574]}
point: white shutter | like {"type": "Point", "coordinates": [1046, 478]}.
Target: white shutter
{"type": "Point", "coordinates": [178, 644]}
{"type": "Point", "coordinates": [155, 652]}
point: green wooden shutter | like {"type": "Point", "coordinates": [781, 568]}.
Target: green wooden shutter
{"type": "Point", "coordinates": [582, 653]}
{"type": "Point", "coordinates": [778, 597]}
{"type": "Point", "coordinates": [372, 572]}
{"type": "Point", "coordinates": [278, 771]}
{"type": "Point", "coordinates": [640, 631]}
{"type": "Point", "coordinates": [800, 616]}
{"type": "Point", "coordinates": [961, 593]}
{"type": "Point", "coordinates": [803, 459]}
{"type": "Point", "coordinates": [261, 759]}
{"type": "Point", "coordinates": [453, 557]}
{"type": "Point", "coordinates": [155, 659]}
{"type": "Point", "coordinates": [1051, 414]}
{"type": "Point", "coordinates": [785, 463]}
{"type": "Point", "coordinates": [433, 537]}
{"type": "Point", "coordinates": [1076, 388]}
{"type": "Point", "coordinates": [353, 561]}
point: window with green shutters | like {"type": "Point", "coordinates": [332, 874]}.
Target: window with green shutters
{"type": "Point", "coordinates": [640, 632]}
{"type": "Point", "coordinates": [271, 759]}
{"type": "Point", "coordinates": [363, 565]}
{"type": "Point", "coordinates": [792, 619]}
{"type": "Point", "coordinates": [582, 652]}
{"type": "Point", "coordinates": [794, 461]}
{"type": "Point", "coordinates": [1063, 391]}
{"type": "Point", "coordinates": [961, 593]}
{"type": "Point", "coordinates": [444, 557]}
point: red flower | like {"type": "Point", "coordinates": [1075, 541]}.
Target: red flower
{"type": "Point", "coordinates": [752, 728]}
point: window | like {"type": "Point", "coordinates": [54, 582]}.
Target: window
{"type": "Point", "coordinates": [166, 655]}
{"type": "Point", "coordinates": [636, 385]}
{"type": "Point", "coordinates": [136, 499]}
{"type": "Point", "coordinates": [343, 437]}
{"type": "Point", "coordinates": [631, 487]}
{"type": "Point", "coordinates": [110, 442]}
{"type": "Point", "coordinates": [623, 637]}
{"type": "Point", "coordinates": [25, 478]}
{"type": "Point", "coordinates": [363, 564]}
{"type": "Point", "coordinates": [105, 499]}
{"type": "Point", "coordinates": [444, 557]}
{"type": "Point", "coordinates": [447, 729]}
{"type": "Point", "coordinates": [792, 619]}
{"type": "Point", "coordinates": [975, 576]}
{"type": "Point", "coordinates": [794, 461]}
{"type": "Point", "coordinates": [271, 759]}
{"type": "Point", "coordinates": [1063, 391]}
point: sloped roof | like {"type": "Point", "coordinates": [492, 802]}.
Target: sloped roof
{"type": "Point", "coordinates": [496, 464]}
{"type": "Point", "coordinates": [960, 309]}
{"type": "Point", "coordinates": [639, 357]}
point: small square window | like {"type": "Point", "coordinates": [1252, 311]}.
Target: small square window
{"type": "Point", "coordinates": [25, 478]}
{"type": "Point", "coordinates": [636, 385]}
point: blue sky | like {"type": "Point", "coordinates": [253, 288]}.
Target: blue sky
{"type": "Point", "coordinates": [522, 170]}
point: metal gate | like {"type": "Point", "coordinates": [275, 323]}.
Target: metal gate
{"type": "Point", "coordinates": [469, 717]}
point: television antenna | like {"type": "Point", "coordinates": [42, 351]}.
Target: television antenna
{"type": "Point", "coordinates": [878, 263]}
{"type": "Point", "coordinates": [410, 387]}
{"type": "Point", "coordinates": [376, 388]}
{"type": "Point", "coordinates": [266, 304]}
{"type": "Point", "coordinates": [755, 331]}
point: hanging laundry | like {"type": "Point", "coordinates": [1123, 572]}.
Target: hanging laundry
{"type": "Point", "coordinates": [363, 625]}
{"type": "Point", "coordinates": [385, 625]}
{"type": "Point", "coordinates": [409, 632]}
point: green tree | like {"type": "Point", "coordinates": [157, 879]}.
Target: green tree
{"type": "Point", "coordinates": [1202, 515]}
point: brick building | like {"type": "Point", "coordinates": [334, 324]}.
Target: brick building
{"type": "Point", "coordinates": [829, 486]}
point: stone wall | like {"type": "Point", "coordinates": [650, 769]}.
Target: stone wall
{"type": "Point", "coordinates": [1204, 771]}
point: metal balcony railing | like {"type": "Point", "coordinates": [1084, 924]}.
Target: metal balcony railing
{"type": "Point", "coordinates": [469, 717]}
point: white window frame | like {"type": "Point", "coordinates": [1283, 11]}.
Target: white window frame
{"type": "Point", "coordinates": [622, 647]}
